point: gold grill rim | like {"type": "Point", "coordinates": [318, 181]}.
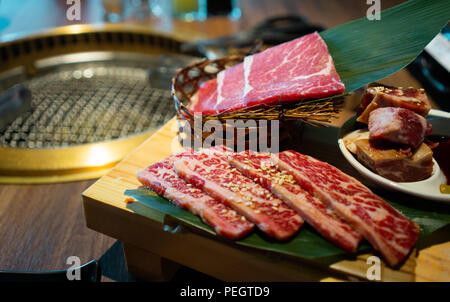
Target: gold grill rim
{"type": "Point", "coordinates": [37, 166]}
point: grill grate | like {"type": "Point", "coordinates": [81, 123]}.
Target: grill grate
{"type": "Point", "coordinates": [88, 103]}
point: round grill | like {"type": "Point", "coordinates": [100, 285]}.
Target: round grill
{"type": "Point", "coordinates": [97, 93]}
{"type": "Point", "coordinates": [88, 103]}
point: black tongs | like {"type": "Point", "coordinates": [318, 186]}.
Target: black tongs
{"type": "Point", "coordinates": [270, 32]}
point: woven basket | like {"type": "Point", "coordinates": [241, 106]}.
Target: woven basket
{"type": "Point", "coordinates": [187, 81]}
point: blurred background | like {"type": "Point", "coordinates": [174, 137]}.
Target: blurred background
{"type": "Point", "coordinates": [82, 86]}
{"type": "Point", "coordinates": [162, 14]}
{"type": "Point", "coordinates": [167, 14]}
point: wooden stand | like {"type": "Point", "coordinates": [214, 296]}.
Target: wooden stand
{"type": "Point", "coordinates": [148, 266]}
{"type": "Point", "coordinates": [151, 251]}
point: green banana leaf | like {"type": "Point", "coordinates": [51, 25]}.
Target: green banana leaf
{"type": "Point", "coordinates": [306, 244]}
{"type": "Point", "coordinates": [363, 51]}
{"type": "Point", "coordinates": [366, 51]}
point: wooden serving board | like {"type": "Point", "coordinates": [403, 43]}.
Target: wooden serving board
{"type": "Point", "coordinates": [152, 248]}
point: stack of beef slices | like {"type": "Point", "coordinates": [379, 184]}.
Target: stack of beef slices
{"type": "Point", "coordinates": [237, 193]}
{"type": "Point", "coordinates": [397, 127]}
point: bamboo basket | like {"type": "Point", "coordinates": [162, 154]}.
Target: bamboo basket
{"type": "Point", "coordinates": [187, 81]}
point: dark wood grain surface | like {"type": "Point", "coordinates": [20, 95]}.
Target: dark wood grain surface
{"type": "Point", "coordinates": [42, 225]}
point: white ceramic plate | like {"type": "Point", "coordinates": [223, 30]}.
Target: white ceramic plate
{"type": "Point", "coordinates": [428, 188]}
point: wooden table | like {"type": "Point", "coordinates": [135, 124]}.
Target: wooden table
{"type": "Point", "coordinates": [42, 225]}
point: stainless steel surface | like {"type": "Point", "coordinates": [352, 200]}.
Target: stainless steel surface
{"type": "Point", "coordinates": [85, 102]}
{"type": "Point", "coordinates": [98, 93]}
{"type": "Point", "coordinates": [13, 103]}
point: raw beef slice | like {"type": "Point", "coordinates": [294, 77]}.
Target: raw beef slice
{"type": "Point", "coordinates": [385, 96]}
{"type": "Point", "coordinates": [258, 166]}
{"type": "Point", "coordinates": [397, 126]}
{"type": "Point", "coordinates": [209, 171]}
{"type": "Point", "coordinates": [161, 178]}
{"type": "Point", "coordinates": [396, 165]}
{"type": "Point", "coordinates": [293, 71]}
{"type": "Point", "coordinates": [391, 233]}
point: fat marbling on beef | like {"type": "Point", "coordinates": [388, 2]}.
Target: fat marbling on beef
{"type": "Point", "coordinates": [385, 96]}
{"type": "Point", "coordinates": [397, 126]}
{"type": "Point", "coordinates": [259, 167]}
{"type": "Point", "coordinates": [396, 164]}
{"type": "Point", "coordinates": [161, 177]}
{"type": "Point", "coordinates": [391, 233]}
{"type": "Point", "coordinates": [296, 70]}
{"type": "Point", "coordinates": [210, 171]}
